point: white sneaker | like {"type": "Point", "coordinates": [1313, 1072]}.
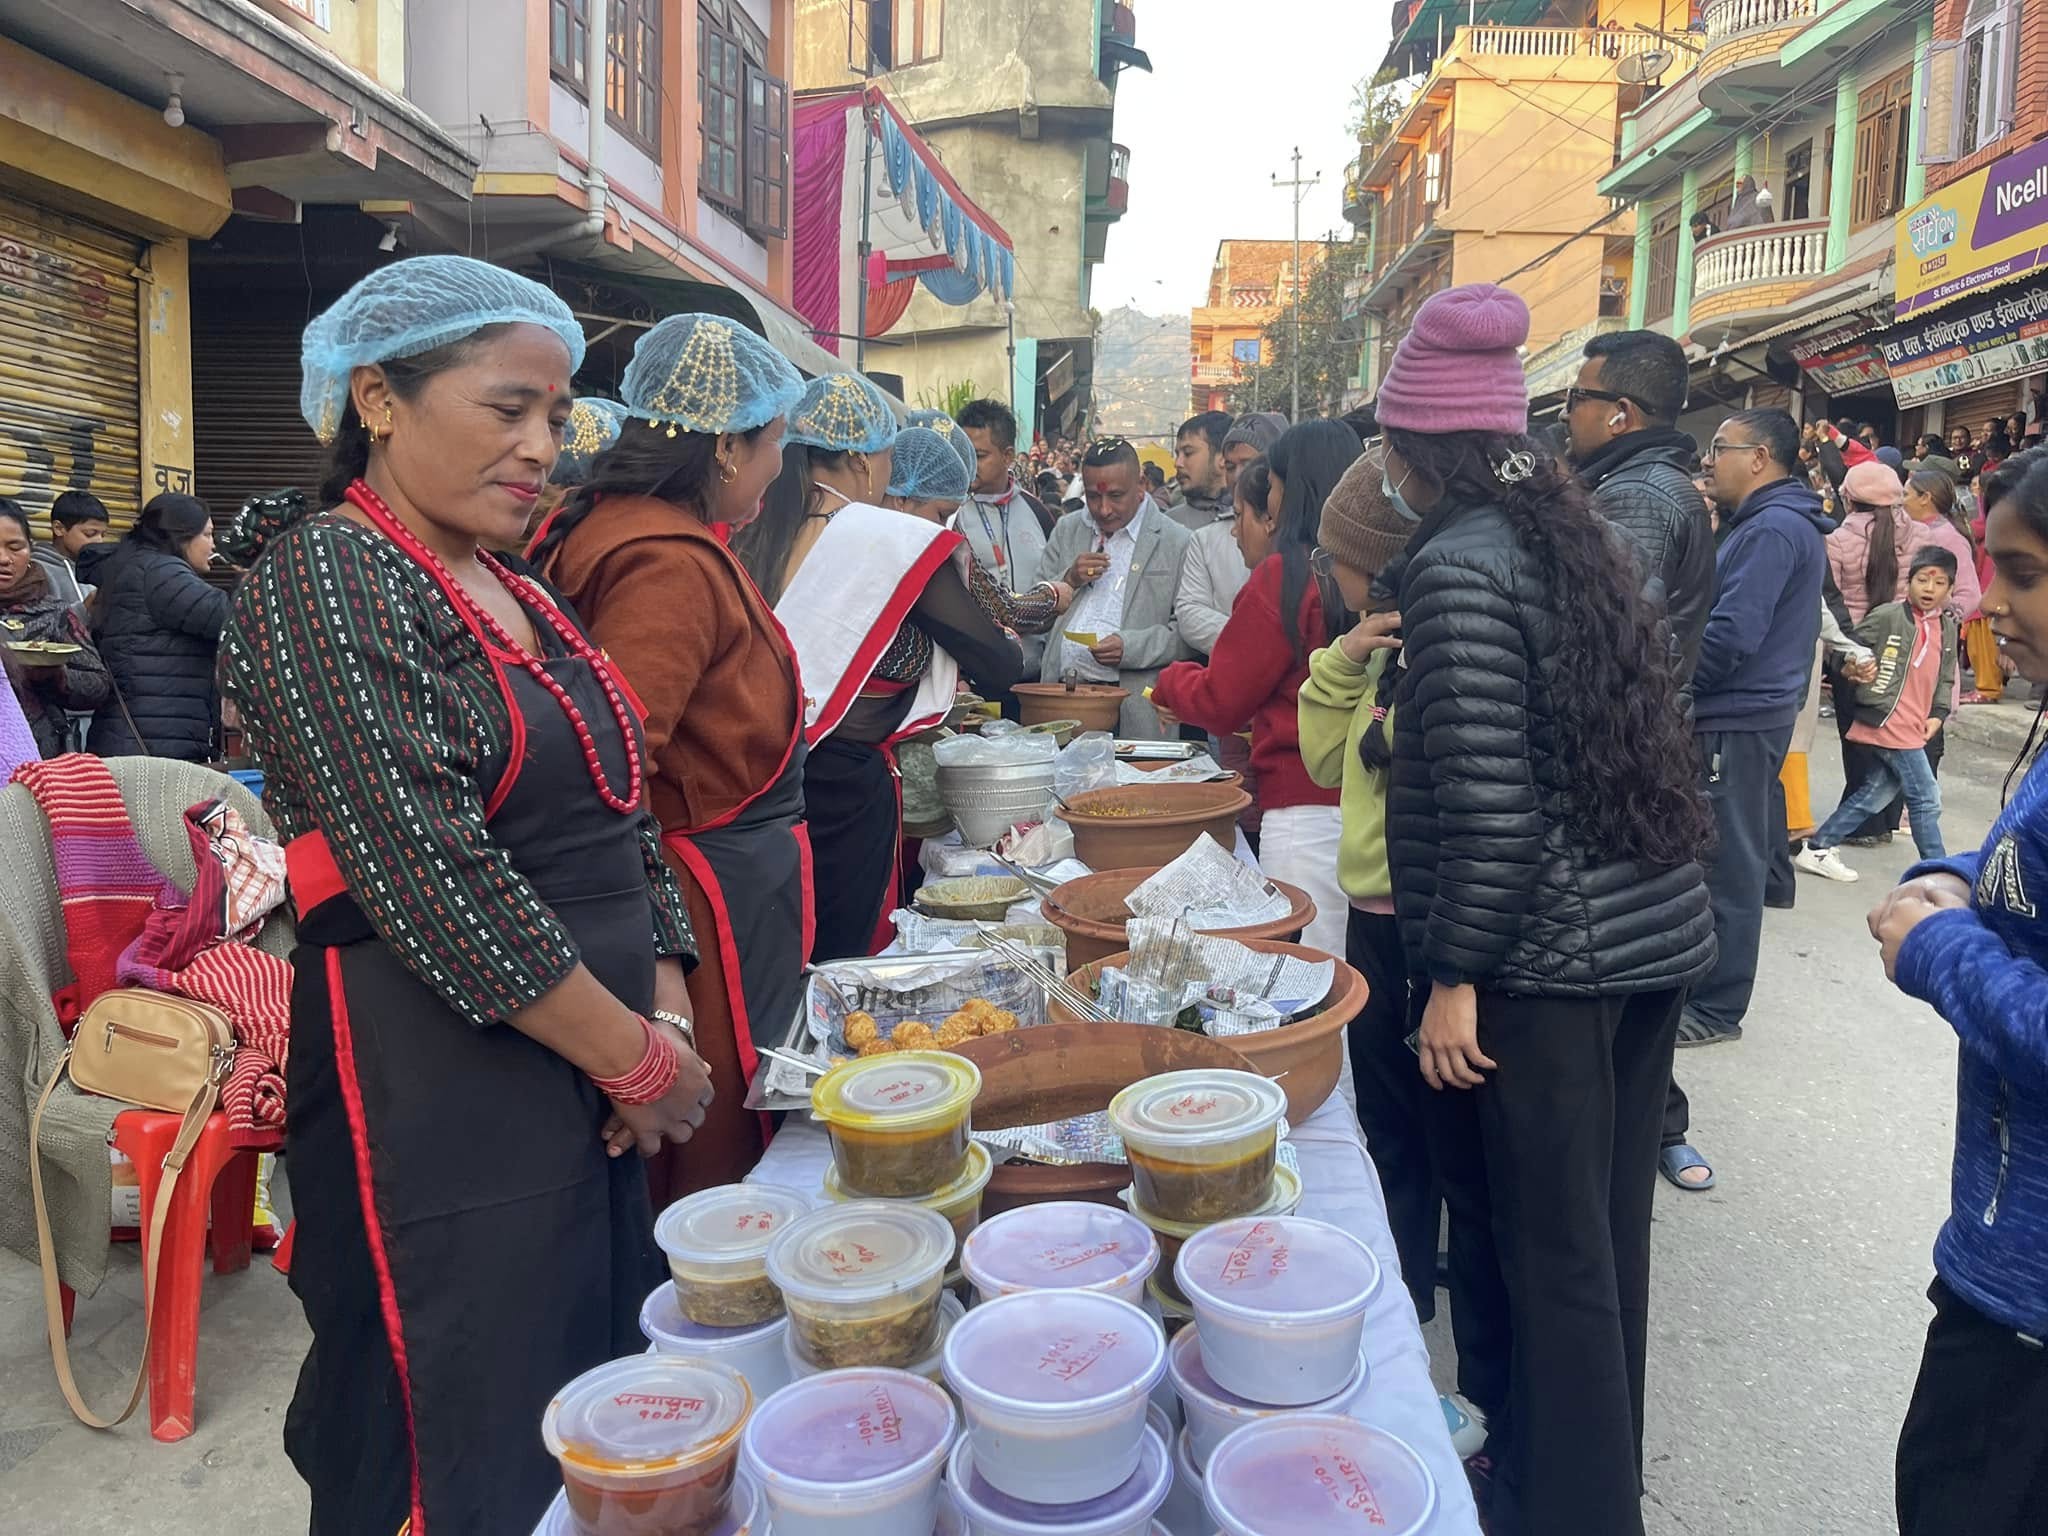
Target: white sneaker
{"type": "Point", "coordinates": [1824, 862]}
{"type": "Point", "coordinates": [1465, 1422]}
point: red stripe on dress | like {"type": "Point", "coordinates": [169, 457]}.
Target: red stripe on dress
{"type": "Point", "coordinates": [373, 1231]}
{"type": "Point", "coordinates": [729, 961]}
{"type": "Point", "coordinates": [310, 869]}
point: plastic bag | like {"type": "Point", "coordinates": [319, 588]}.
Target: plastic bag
{"type": "Point", "coordinates": [1087, 762]}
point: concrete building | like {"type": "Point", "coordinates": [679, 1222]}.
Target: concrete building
{"type": "Point", "coordinates": [1250, 286]}
{"type": "Point", "coordinates": [1019, 101]}
{"type": "Point", "coordinates": [1489, 171]}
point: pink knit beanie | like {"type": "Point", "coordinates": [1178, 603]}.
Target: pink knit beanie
{"type": "Point", "coordinates": [1458, 368]}
{"type": "Point", "coordinates": [1873, 484]}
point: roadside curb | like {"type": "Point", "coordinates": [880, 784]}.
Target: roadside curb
{"type": "Point", "coordinates": [2002, 726]}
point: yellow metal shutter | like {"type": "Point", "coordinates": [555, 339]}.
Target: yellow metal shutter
{"type": "Point", "coordinates": [70, 362]}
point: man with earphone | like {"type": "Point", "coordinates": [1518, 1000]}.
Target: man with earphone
{"type": "Point", "coordinates": [1621, 431]}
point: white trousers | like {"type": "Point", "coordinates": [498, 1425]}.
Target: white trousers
{"type": "Point", "coordinates": [1298, 844]}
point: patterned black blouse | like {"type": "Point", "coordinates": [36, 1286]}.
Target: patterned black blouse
{"type": "Point", "coordinates": [378, 721]}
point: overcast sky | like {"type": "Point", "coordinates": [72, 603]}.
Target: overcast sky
{"type": "Point", "coordinates": [1234, 88]}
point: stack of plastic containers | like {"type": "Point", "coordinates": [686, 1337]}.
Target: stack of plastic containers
{"type": "Point", "coordinates": [852, 1453]}
{"type": "Point", "coordinates": [1061, 1245]}
{"type": "Point", "coordinates": [1318, 1475]}
{"type": "Point", "coordinates": [720, 1304]}
{"type": "Point", "coordinates": [862, 1284]}
{"type": "Point", "coordinates": [650, 1443]}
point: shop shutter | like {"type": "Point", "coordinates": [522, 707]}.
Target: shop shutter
{"type": "Point", "coordinates": [1978, 406]}
{"type": "Point", "coordinates": [70, 362]}
{"type": "Point", "coordinates": [248, 438]}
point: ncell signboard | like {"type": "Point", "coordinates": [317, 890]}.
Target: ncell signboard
{"type": "Point", "coordinates": [1987, 228]}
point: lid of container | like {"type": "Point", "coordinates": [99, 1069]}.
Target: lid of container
{"type": "Point", "coordinates": [1318, 1474]}
{"type": "Point", "coordinates": [1284, 1195]}
{"type": "Point", "coordinates": [981, 1167]}
{"type": "Point", "coordinates": [1055, 1351]}
{"type": "Point", "coordinates": [989, 1508]}
{"type": "Point", "coordinates": [1277, 1267]}
{"type": "Point", "coordinates": [851, 1429]}
{"type": "Point", "coordinates": [860, 1252]}
{"type": "Point", "coordinates": [900, 1091]}
{"type": "Point", "coordinates": [743, 1513]}
{"type": "Point", "coordinates": [1197, 1107]}
{"type": "Point", "coordinates": [663, 1325]}
{"type": "Point", "coordinates": [1061, 1244]}
{"type": "Point", "coordinates": [647, 1413]}
{"type": "Point", "coordinates": [729, 1224]}
{"type": "Point", "coordinates": [1191, 1377]}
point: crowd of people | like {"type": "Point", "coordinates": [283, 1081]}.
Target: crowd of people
{"type": "Point", "coordinates": [579, 718]}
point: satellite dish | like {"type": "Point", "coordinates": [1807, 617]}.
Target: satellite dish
{"type": "Point", "coordinates": [1644, 68]}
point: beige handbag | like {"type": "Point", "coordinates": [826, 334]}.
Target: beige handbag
{"type": "Point", "coordinates": [154, 1051]}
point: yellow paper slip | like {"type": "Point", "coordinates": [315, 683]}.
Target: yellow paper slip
{"type": "Point", "coordinates": [1082, 637]}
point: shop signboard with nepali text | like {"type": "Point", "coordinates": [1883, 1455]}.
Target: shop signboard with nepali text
{"type": "Point", "coordinates": [2001, 335]}
{"type": "Point", "coordinates": [1990, 227]}
{"type": "Point", "coordinates": [1843, 359]}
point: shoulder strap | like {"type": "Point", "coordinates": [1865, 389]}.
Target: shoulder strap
{"type": "Point", "coordinates": [121, 703]}
{"type": "Point", "coordinates": [53, 1301]}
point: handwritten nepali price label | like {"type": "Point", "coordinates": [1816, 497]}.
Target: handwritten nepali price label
{"type": "Point", "coordinates": [1065, 1256]}
{"type": "Point", "coordinates": [880, 1423]}
{"type": "Point", "coordinates": [660, 1408]}
{"type": "Point", "coordinates": [1069, 1356]}
{"type": "Point", "coordinates": [753, 1221]}
{"type": "Point", "coordinates": [1260, 1254]}
{"type": "Point", "coordinates": [1192, 1106]}
{"type": "Point", "coordinates": [1345, 1481]}
{"type": "Point", "coordinates": [850, 1259]}
{"type": "Point", "coordinates": [902, 1091]}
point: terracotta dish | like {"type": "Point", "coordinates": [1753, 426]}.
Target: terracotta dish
{"type": "Point", "coordinates": [1310, 1052]}
{"type": "Point", "coordinates": [1091, 910]}
{"type": "Point", "coordinates": [1135, 825]}
{"type": "Point", "coordinates": [1094, 705]}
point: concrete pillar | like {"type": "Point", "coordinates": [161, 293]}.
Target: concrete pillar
{"type": "Point", "coordinates": [1842, 174]}
{"type": "Point", "coordinates": [1639, 271]}
{"type": "Point", "coordinates": [1916, 173]}
{"type": "Point", "coordinates": [1688, 205]}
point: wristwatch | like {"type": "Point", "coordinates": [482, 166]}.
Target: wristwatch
{"type": "Point", "coordinates": [678, 1023]}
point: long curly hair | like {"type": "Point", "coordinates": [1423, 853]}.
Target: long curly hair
{"type": "Point", "coordinates": [1626, 760]}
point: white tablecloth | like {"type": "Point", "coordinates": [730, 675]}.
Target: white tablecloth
{"type": "Point", "coordinates": [1341, 1187]}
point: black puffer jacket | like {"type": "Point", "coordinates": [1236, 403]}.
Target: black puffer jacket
{"type": "Point", "coordinates": [158, 625]}
{"type": "Point", "coordinates": [1490, 884]}
{"type": "Point", "coordinates": [1642, 484]}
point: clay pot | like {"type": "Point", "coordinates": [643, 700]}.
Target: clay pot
{"type": "Point", "coordinates": [1310, 1052]}
{"type": "Point", "coordinates": [1092, 912]}
{"type": "Point", "coordinates": [1169, 818]}
{"type": "Point", "coordinates": [1094, 705]}
{"type": "Point", "coordinates": [1063, 1069]}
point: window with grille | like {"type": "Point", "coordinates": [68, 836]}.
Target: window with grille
{"type": "Point", "coordinates": [1969, 84]}
{"type": "Point", "coordinates": [743, 122]}
{"type": "Point", "coordinates": [632, 84]}
{"type": "Point", "coordinates": [1882, 112]}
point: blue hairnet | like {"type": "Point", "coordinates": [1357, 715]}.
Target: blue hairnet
{"type": "Point", "coordinates": [705, 373]}
{"type": "Point", "coordinates": [951, 431]}
{"type": "Point", "coordinates": [594, 424]}
{"type": "Point", "coordinates": [844, 412]}
{"type": "Point", "coordinates": [925, 468]}
{"type": "Point", "coordinates": [414, 306]}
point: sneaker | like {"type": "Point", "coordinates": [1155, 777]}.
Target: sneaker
{"type": "Point", "coordinates": [1465, 1422]}
{"type": "Point", "coordinates": [1824, 862]}
{"type": "Point", "coordinates": [1869, 840]}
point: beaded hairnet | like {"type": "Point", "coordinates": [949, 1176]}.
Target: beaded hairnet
{"type": "Point", "coordinates": [414, 306]}
{"type": "Point", "coordinates": [843, 412]}
{"type": "Point", "coordinates": [951, 431]}
{"type": "Point", "coordinates": [925, 468]}
{"type": "Point", "coordinates": [705, 373]}
{"type": "Point", "coordinates": [594, 424]}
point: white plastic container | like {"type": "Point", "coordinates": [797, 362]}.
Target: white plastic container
{"type": "Point", "coordinates": [717, 1244]}
{"type": "Point", "coordinates": [651, 1440]}
{"type": "Point", "coordinates": [744, 1516]}
{"type": "Point", "coordinates": [1213, 1412]}
{"type": "Point", "coordinates": [1185, 1508]}
{"type": "Point", "coordinates": [757, 1353]}
{"type": "Point", "coordinates": [1125, 1510]}
{"type": "Point", "coordinates": [862, 1283]}
{"type": "Point", "coordinates": [1061, 1245]}
{"type": "Point", "coordinates": [1318, 1475]}
{"type": "Point", "coordinates": [1054, 1386]}
{"type": "Point", "coordinates": [931, 1367]}
{"type": "Point", "coordinates": [851, 1453]}
{"type": "Point", "coordinates": [1202, 1144]}
{"type": "Point", "coordinates": [1281, 1302]}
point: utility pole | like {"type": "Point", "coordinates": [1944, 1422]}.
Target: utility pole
{"type": "Point", "coordinates": [1297, 187]}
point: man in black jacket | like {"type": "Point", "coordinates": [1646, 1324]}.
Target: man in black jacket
{"type": "Point", "coordinates": [1621, 422]}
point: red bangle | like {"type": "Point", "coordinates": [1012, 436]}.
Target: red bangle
{"type": "Point", "coordinates": [652, 1078]}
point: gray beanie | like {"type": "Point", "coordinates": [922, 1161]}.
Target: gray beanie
{"type": "Point", "coordinates": [1261, 429]}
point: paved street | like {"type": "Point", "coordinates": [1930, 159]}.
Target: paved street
{"type": "Point", "coordinates": [1786, 1321]}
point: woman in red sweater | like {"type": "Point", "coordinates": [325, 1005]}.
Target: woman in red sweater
{"type": "Point", "coordinates": [1261, 660]}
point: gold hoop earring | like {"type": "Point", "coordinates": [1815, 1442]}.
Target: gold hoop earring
{"type": "Point", "coordinates": [377, 435]}
{"type": "Point", "coordinates": [726, 473]}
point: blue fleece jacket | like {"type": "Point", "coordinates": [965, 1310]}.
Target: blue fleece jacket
{"type": "Point", "coordinates": [1757, 654]}
{"type": "Point", "coordinates": [1985, 970]}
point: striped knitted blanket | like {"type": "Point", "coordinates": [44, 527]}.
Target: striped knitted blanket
{"type": "Point", "coordinates": [127, 925]}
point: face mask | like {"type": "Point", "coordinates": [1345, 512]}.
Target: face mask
{"type": "Point", "coordinates": [1393, 494]}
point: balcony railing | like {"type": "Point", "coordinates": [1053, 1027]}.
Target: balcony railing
{"type": "Point", "coordinates": [1118, 196]}
{"type": "Point", "coordinates": [1768, 254]}
{"type": "Point", "coordinates": [1551, 42]}
{"type": "Point", "coordinates": [1724, 19]}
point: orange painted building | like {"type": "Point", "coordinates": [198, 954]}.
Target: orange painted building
{"type": "Point", "coordinates": [1250, 286]}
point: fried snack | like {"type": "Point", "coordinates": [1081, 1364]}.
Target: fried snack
{"type": "Point", "coordinates": [955, 1031]}
{"type": "Point", "coordinates": [861, 1029]}
{"type": "Point", "coordinates": [877, 1048]}
{"type": "Point", "coordinates": [1000, 1021]}
{"type": "Point", "coordinates": [912, 1035]}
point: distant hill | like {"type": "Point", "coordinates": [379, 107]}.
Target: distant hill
{"type": "Point", "coordinates": [1141, 375]}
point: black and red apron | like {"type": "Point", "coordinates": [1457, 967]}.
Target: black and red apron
{"type": "Point", "coordinates": [465, 1246]}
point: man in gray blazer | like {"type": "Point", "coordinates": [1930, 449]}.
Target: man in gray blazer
{"type": "Point", "coordinates": [1122, 556]}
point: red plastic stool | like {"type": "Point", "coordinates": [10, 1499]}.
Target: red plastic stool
{"type": "Point", "coordinates": [219, 1179]}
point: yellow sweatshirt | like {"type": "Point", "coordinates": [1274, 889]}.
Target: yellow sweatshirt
{"type": "Point", "coordinates": [1335, 707]}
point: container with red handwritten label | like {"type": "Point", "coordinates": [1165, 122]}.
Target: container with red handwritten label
{"type": "Point", "coordinates": [931, 1367]}
{"type": "Point", "coordinates": [744, 1515]}
{"type": "Point", "coordinates": [1125, 1510]}
{"type": "Point", "coordinates": [862, 1283]}
{"type": "Point", "coordinates": [1213, 1411]}
{"type": "Point", "coordinates": [1202, 1144]}
{"type": "Point", "coordinates": [899, 1123]}
{"type": "Point", "coordinates": [852, 1453]}
{"type": "Point", "coordinates": [755, 1352]}
{"type": "Point", "coordinates": [717, 1246]}
{"type": "Point", "coordinates": [648, 1445]}
{"type": "Point", "coordinates": [1284, 1200]}
{"type": "Point", "coordinates": [959, 1202]}
{"type": "Point", "coordinates": [1055, 1386]}
{"type": "Point", "coordinates": [1062, 1245]}
{"type": "Point", "coordinates": [1281, 1302]}
{"type": "Point", "coordinates": [1315, 1474]}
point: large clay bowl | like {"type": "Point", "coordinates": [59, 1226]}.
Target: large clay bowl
{"type": "Point", "coordinates": [1131, 826]}
{"type": "Point", "coordinates": [1310, 1052]}
{"type": "Point", "coordinates": [1058, 1070]}
{"type": "Point", "coordinates": [1091, 910]}
{"type": "Point", "coordinates": [1095, 705]}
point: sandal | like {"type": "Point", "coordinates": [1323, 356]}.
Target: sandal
{"type": "Point", "coordinates": [1674, 1162]}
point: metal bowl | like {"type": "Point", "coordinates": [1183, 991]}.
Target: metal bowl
{"type": "Point", "coordinates": [986, 799]}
